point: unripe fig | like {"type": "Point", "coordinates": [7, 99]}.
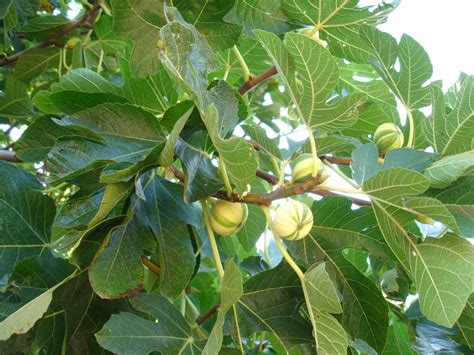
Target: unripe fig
{"type": "Point", "coordinates": [293, 220]}
{"type": "Point", "coordinates": [323, 175]}
{"type": "Point", "coordinates": [72, 42]}
{"type": "Point", "coordinates": [227, 217]}
{"type": "Point", "coordinates": [422, 218]}
{"type": "Point", "coordinates": [387, 137]}
{"type": "Point", "coordinates": [46, 5]}
{"type": "Point", "coordinates": [303, 168]}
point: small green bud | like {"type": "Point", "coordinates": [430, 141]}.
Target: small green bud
{"type": "Point", "coordinates": [72, 42]}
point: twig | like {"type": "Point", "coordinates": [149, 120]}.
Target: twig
{"type": "Point", "coordinates": [329, 158]}
{"type": "Point", "coordinates": [177, 173]}
{"type": "Point", "coordinates": [336, 160]}
{"type": "Point", "coordinates": [266, 199]}
{"type": "Point", "coordinates": [309, 186]}
{"type": "Point", "coordinates": [156, 269]}
{"type": "Point", "coordinates": [255, 80]}
{"type": "Point", "coordinates": [272, 179]}
{"type": "Point", "coordinates": [254, 144]}
{"type": "Point", "coordinates": [85, 21]}
{"type": "Point", "coordinates": [201, 319]}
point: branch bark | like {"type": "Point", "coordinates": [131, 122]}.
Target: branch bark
{"type": "Point", "coordinates": [329, 158]}
{"type": "Point", "coordinates": [337, 160]}
{"type": "Point", "coordinates": [265, 199]}
{"type": "Point", "coordinates": [85, 21]}
{"type": "Point", "coordinates": [201, 319]}
{"type": "Point", "coordinates": [272, 179]}
{"type": "Point", "coordinates": [255, 80]}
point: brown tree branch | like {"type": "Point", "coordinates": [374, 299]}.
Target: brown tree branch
{"type": "Point", "coordinates": [337, 160]}
{"type": "Point", "coordinates": [272, 179]}
{"type": "Point", "coordinates": [84, 22]}
{"type": "Point", "coordinates": [201, 319]}
{"type": "Point", "coordinates": [178, 173]}
{"type": "Point", "coordinates": [260, 199]}
{"type": "Point", "coordinates": [255, 80]}
{"type": "Point", "coordinates": [155, 268]}
{"type": "Point", "coordinates": [329, 158]}
{"type": "Point", "coordinates": [266, 199]}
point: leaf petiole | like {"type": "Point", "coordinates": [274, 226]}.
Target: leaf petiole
{"type": "Point", "coordinates": [314, 151]}
{"type": "Point", "coordinates": [242, 63]}
{"type": "Point", "coordinates": [338, 189]}
{"type": "Point", "coordinates": [411, 135]}
{"type": "Point", "coordinates": [344, 177]}
{"type": "Point", "coordinates": [225, 177]}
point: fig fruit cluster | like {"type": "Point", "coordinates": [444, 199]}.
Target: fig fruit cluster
{"type": "Point", "coordinates": [293, 220]}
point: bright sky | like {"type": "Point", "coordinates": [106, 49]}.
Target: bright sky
{"type": "Point", "coordinates": [444, 29]}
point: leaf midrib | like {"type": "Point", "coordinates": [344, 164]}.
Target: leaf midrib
{"type": "Point", "coordinates": [418, 255]}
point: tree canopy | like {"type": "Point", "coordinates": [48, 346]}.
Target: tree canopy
{"type": "Point", "coordinates": [126, 121]}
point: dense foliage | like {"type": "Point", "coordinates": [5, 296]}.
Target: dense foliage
{"type": "Point", "coordinates": [137, 116]}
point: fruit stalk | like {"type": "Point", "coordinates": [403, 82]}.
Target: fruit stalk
{"type": "Point", "coordinates": [218, 262]}
{"type": "Point", "coordinates": [296, 269]}
{"type": "Point", "coordinates": [212, 240]}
